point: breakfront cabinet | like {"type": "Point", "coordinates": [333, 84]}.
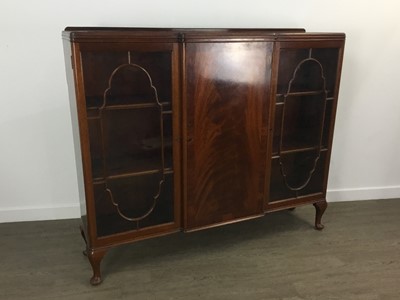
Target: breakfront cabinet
{"type": "Point", "coordinates": [186, 129]}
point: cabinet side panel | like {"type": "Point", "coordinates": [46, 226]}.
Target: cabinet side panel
{"type": "Point", "coordinates": [75, 130]}
{"type": "Point", "coordinates": [227, 88]}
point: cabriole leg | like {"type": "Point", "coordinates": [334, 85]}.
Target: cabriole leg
{"type": "Point", "coordinates": [95, 256]}
{"type": "Point", "coordinates": [320, 208]}
{"type": "Point", "coordinates": [84, 238]}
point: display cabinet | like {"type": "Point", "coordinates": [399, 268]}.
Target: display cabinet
{"type": "Point", "coordinates": [179, 129]}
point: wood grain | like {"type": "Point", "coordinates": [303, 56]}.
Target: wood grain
{"type": "Point", "coordinates": [227, 88]}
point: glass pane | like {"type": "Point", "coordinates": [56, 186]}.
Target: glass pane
{"type": "Point", "coordinates": [130, 84]}
{"type": "Point", "coordinates": [95, 139]}
{"type": "Point", "coordinates": [135, 199]}
{"type": "Point", "coordinates": [132, 140]}
{"type": "Point", "coordinates": [299, 121]}
{"type": "Point", "coordinates": [328, 57]}
{"type": "Point", "coordinates": [124, 113]}
{"type": "Point", "coordinates": [167, 127]}
{"type": "Point", "coordinates": [289, 59]}
{"type": "Point", "coordinates": [315, 185]}
{"type": "Point", "coordinates": [164, 210]}
{"type": "Point", "coordinates": [98, 67]}
{"type": "Point", "coordinates": [303, 113]}
{"type": "Point", "coordinates": [158, 65]}
{"type": "Point", "coordinates": [295, 163]}
{"type": "Point", "coordinates": [307, 77]}
{"type": "Point", "coordinates": [296, 142]}
{"type": "Point", "coordinates": [297, 167]}
{"type": "Point", "coordinates": [327, 123]}
{"type": "Point", "coordinates": [303, 117]}
{"type": "Point", "coordinates": [129, 115]}
{"type": "Point", "coordinates": [278, 189]}
{"type": "Point", "coordinates": [277, 129]}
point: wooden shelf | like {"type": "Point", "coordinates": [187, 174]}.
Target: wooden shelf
{"type": "Point", "coordinates": [275, 156]}
{"type": "Point", "coordinates": [131, 174]}
{"type": "Point", "coordinates": [130, 106]}
{"type": "Point", "coordinates": [306, 93]}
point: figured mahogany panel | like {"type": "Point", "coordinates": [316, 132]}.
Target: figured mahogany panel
{"type": "Point", "coordinates": [227, 87]}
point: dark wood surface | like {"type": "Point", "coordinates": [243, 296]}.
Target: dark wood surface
{"type": "Point", "coordinates": [235, 122]}
{"type": "Point", "coordinates": [227, 87]}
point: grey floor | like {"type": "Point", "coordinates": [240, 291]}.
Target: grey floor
{"type": "Point", "coordinates": [279, 256]}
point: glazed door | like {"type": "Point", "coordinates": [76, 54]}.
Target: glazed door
{"type": "Point", "coordinates": [225, 100]}
{"type": "Point", "coordinates": [130, 114]}
{"type": "Point", "coordinates": [304, 112]}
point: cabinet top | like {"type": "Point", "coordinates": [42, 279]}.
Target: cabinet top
{"type": "Point", "coordinates": [101, 34]}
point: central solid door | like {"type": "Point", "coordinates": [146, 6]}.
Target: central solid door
{"type": "Point", "coordinates": [225, 128]}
